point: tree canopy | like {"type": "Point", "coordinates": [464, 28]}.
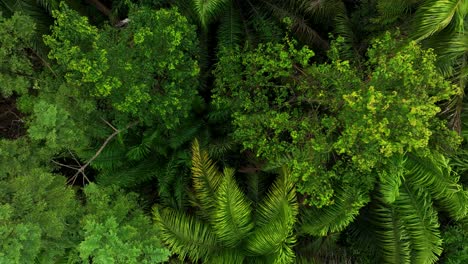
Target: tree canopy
{"type": "Point", "coordinates": [221, 131]}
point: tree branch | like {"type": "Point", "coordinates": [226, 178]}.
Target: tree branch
{"type": "Point", "coordinates": [80, 169]}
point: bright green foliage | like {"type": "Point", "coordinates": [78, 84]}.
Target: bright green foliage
{"type": "Point", "coordinates": [145, 71]}
{"type": "Point", "coordinates": [395, 110]}
{"type": "Point", "coordinates": [433, 16]}
{"type": "Point", "coordinates": [115, 229]}
{"type": "Point", "coordinates": [229, 230]}
{"type": "Point", "coordinates": [38, 214]}
{"type": "Point", "coordinates": [328, 114]}
{"type": "Point", "coordinates": [15, 66]}
{"type": "Point", "coordinates": [53, 125]}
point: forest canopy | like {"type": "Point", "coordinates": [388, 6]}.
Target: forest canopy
{"type": "Point", "coordinates": [215, 131]}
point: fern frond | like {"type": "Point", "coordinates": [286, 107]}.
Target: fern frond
{"type": "Point", "coordinates": [332, 218]}
{"type": "Point", "coordinates": [231, 220]}
{"type": "Point", "coordinates": [434, 15]}
{"type": "Point", "coordinates": [185, 235]}
{"type": "Point", "coordinates": [208, 10]}
{"type": "Point", "coordinates": [206, 178]}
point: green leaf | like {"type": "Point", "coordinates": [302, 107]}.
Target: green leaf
{"type": "Point", "coordinates": [391, 179]}
{"type": "Point", "coordinates": [186, 235]}
{"type": "Point", "coordinates": [232, 219]}
{"type": "Point", "coordinates": [333, 218]}
{"type": "Point", "coordinates": [206, 178]}
{"type": "Point", "coordinates": [275, 219]}
{"type": "Point", "coordinates": [208, 10]}
{"type": "Point", "coordinates": [435, 15]}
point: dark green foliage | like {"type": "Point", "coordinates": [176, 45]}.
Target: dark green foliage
{"type": "Point", "coordinates": [38, 215]}
{"type": "Point", "coordinates": [115, 229]}
{"type": "Point", "coordinates": [455, 243]}
{"type": "Point", "coordinates": [152, 58]}
{"type": "Point", "coordinates": [16, 70]}
{"type": "Point", "coordinates": [405, 221]}
{"type": "Point", "coordinates": [364, 134]}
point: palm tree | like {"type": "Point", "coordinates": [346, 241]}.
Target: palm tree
{"type": "Point", "coordinates": [261, 20]}
{"type": "Point", "coordinates": [227, 228]}
{"type": "Point", "coordinates": [441, 24]}
{"type": "Point", "coordinates": [403, 212]}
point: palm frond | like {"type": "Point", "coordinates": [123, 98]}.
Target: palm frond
{"type": "Point", "coordinates": [111, 157]}
{"type": "Point", "coordinates": [227, 256]}
{"type": "Point", "coordinates": [275, 220]}
{"type": "Point", "coordinates": [220, 147]}
{"type": "Point", "coordinates": [299, 26]}
{"type": "Point", "coordinates": [421, 222]}
{"type": "Point", "coordinates": [183, 135]}
{"type": "Point", "coordinates": [139, 152]}
{"type": "Point", "coordinates": [433, 172]}
{"type": "Point", "coordinates": [256, 187]}
{"type": "Point", "coordinates": [171, 184]}
{"type": "Point", "coordinates": [232, 219]}
{"type": "Point", "coordinates": [392, 235]}
{"type": "Point", "coordinates": [206, 178]}
{"type": "Point", "coordinates": [433, 16]}
{"type": "Point", "coordinates": [208, 10]}
{"type": "Point", "coordinates": [230, 28]}
{"type": "Point", "coordinates": [130, 175]}
{"type": "Point", "coordinates": [391, 10]}
{"type": "Point", "coordinates": [391, 179]}
{"type": "Point", "coordinates": [332, 218]}
{"type": "Point", "coordinates": [342, 28]}
{"type": "Point", "coordinates": [48, 5]}
{"type": "Point", "coordinates": [284, 255]}
{"type": "Point", "coordinates": [185, 235]}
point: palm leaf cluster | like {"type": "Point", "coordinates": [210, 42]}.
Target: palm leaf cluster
{"type": "Point", "coordinates": [406, 221]}
{"type": "Point", "coordinates": [263, 20]}
{"type": "Point", "coordinates": [226, 228]}
{"type": "Point", "coordinates": [403, 214]}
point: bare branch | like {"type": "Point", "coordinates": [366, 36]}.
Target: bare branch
{"type": "Point", "coordinates": [80, 169]}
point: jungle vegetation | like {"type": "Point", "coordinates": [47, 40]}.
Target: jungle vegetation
{"type": "Point", "coordinates": [227, 131]}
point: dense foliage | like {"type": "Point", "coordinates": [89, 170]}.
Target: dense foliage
{"type": "Point", "coordinates": [221, 131]}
